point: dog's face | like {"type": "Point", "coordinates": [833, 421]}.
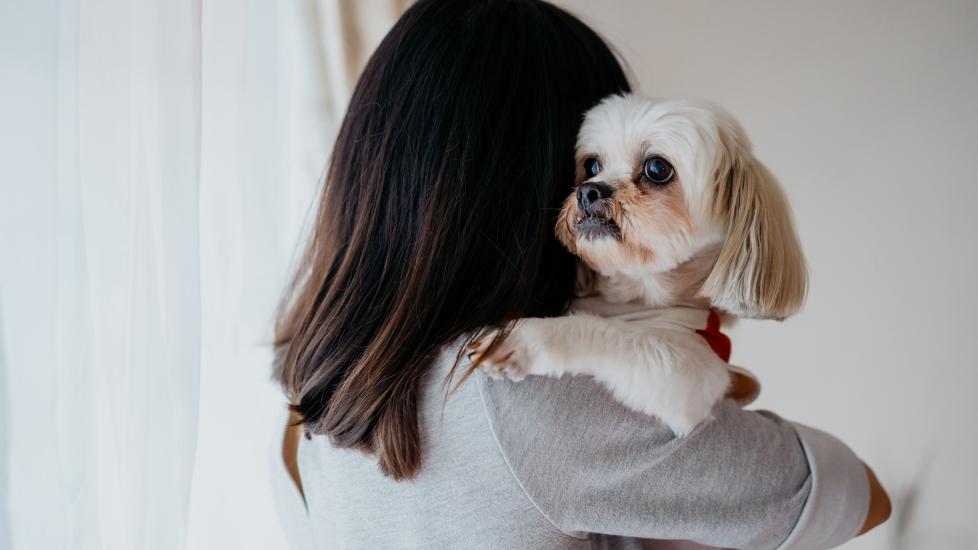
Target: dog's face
{"type": "Point", "coordinates": [659, 183]}
{"type": "Point", "coordinates": [643, 169]}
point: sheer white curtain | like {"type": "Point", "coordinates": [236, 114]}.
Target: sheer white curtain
{"type": "Point", "coordinates": [158, 160]}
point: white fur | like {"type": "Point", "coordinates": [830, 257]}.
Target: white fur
{"type": "Point", "coordinates": [671, 374]}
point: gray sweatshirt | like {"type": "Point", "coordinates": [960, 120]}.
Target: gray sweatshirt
{"type": "Point", "coordinates": [559, 464]}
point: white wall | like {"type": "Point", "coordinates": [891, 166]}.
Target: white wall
{"type": "Point", "coordinates": [868, 113]}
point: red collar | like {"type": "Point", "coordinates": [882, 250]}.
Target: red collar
{"type": "Point", "coordinates": [718, 341]}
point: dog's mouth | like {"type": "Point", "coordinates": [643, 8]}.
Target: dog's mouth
{"type": "Point", "coordinates": [592, 228]}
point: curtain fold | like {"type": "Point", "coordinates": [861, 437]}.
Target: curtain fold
{"type": "Point", "coordinates": [159, 163]}
{"type": "Point", "coordinates": [104, 382]}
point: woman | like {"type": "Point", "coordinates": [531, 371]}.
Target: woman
{"type": "Point", "coordinates": [436, 222]}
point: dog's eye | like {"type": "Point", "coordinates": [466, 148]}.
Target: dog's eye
{"type": "Point", "coordinates": [591, 167]}
{"type": "Point", "coordinates": [658, 170]}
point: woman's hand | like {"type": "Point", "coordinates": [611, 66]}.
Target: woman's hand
{"type": "Point", "coordinates": [879, 503]}
{"type": "Point", "coordinates": [290, 448]}
{"type": "Point", "coordinates": [743, 389]}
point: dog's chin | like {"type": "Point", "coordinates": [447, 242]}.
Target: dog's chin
{"type": "Point", "coordinates": [593, 228]}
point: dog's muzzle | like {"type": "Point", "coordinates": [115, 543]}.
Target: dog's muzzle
{"type": "Point", "coordinates": [591, 195]}
{"type": "Point", "coordinates": [594, 209]}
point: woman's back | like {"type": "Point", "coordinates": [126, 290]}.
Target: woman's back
{"type": "Point", "coordinates": [436, 224]}
{"type": "Point", "coordinates": [546, 463]}
{"type": "Point", "coordinates": [465, 495]}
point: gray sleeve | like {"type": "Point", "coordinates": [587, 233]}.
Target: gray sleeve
{"type": "Point", "coordinates": [745, 480]}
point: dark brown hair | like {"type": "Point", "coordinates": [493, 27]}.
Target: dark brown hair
{"type": "Point", "coordinates": [437, 211]}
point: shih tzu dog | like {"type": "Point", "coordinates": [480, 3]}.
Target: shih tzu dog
{"type": "Point", "coordinates": [674, 222]}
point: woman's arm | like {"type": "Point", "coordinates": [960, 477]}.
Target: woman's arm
{"type": "Point", "coordinates": [746, 479]}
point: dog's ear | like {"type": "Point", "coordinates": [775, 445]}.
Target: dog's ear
{"type": "Point", "coordinates": [760, 271]}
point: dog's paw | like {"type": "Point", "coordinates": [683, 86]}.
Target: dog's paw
{"type": "Point", "coordinates": [511, 358]}
{"type": "Point", "coordinates": [684, 424]}
{"type": "Point", "coordinates": [697, 409]}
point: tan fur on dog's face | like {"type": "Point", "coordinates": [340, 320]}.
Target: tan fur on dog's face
{"type": "Point", "coordinates": [720, 201]}
{"type": "Point", "coordinates": [652, 220]}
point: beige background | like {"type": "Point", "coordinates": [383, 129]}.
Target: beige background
{"type": "Point", "coordinates": [866, 110]}
{"type": "Point", "coordinates": [867, 113]}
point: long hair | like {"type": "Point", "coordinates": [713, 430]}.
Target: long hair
{"type": "Point", "coordinates": [437, 212]}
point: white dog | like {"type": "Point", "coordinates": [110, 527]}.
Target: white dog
{"type": "Point", "coordinates": [673, 218]}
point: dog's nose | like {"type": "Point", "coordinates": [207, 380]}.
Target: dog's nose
{"type": "Point", "coordinates": [589, 194]}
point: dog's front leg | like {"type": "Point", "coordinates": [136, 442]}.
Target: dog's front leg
{"type": "Point", "coordinates": [669, 374]}
{"type": "Point", "coordinates": [550, 346]}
